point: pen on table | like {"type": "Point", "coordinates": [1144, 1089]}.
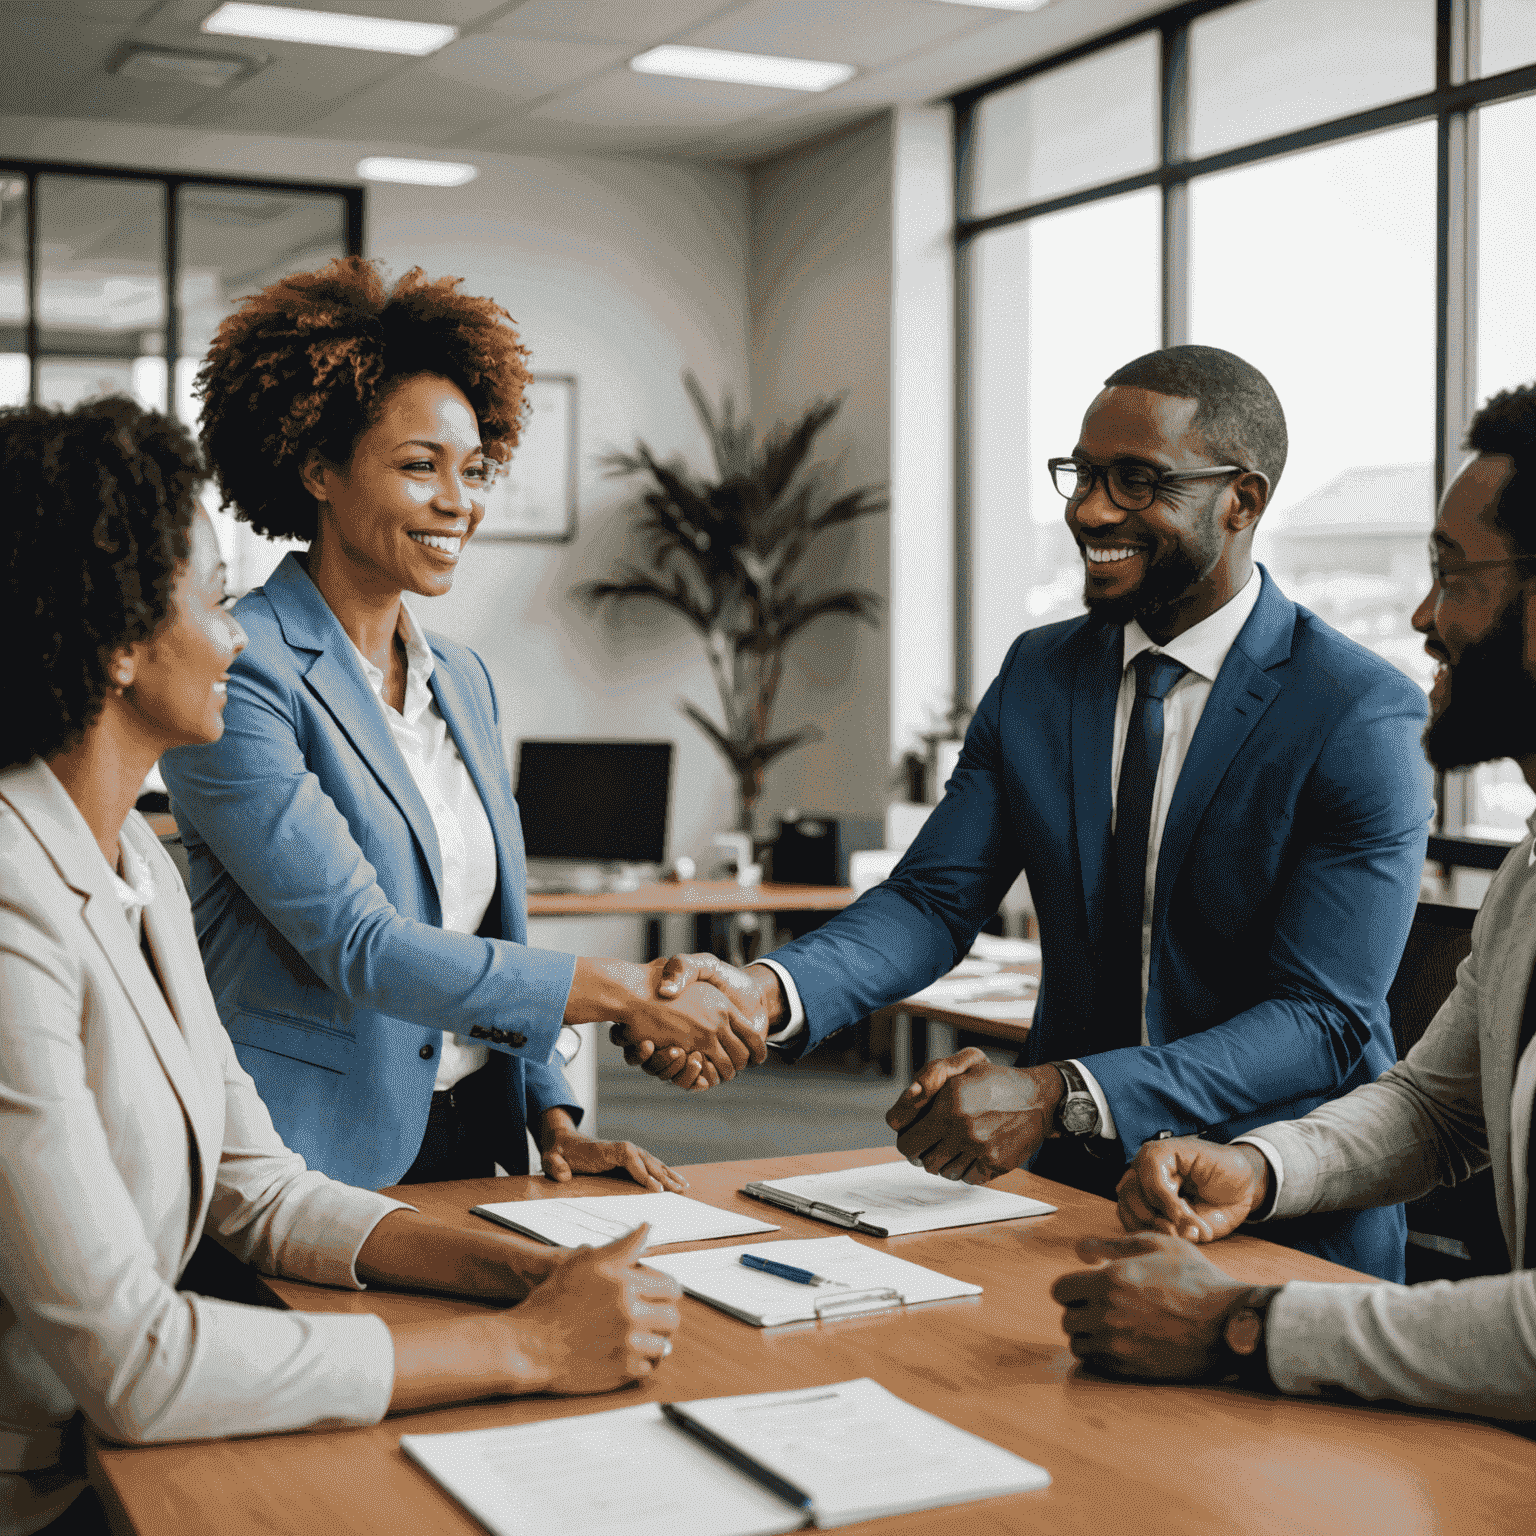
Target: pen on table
{"type": "Point", "coordinates": [784, 1271]}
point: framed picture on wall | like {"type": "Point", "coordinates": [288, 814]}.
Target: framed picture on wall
{"type": "Point", "coordinates": [534, 499]}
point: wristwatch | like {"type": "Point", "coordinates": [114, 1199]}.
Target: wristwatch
{"type": "Point", "coordinates": [1077, 1114]}
{"type": "Point", "coordinates": [1243, 1354]}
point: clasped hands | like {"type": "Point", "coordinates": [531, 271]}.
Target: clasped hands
{"type": "Point", "coordinates": [1155, 1307]}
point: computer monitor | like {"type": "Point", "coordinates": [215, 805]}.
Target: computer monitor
{"type": "Point", "coordinates": [596, 801]}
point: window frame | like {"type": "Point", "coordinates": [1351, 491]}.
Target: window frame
{"type": "Point", "coordinates": [1451, 105]}
{"type": "Point", "coordinates": [171, 182]}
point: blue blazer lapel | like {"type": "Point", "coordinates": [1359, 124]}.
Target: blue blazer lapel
{"type": "Point", "coordinates": [479, 745]}
{"type": "Point", "coordinates": [1242, 692]}
{"type": "Point", "coordinates": [1095, 692]}
{"type": "Point", "coordinates": [336, 678]}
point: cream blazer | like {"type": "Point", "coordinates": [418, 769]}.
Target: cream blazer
{"type": "Point", "coordinates": [126, 1127]}
{"type": "Point", "coordinates": [1456, 1103]}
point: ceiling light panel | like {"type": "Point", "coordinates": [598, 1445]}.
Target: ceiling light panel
{"type": "Point", "coordinates": [742, 68]}
{"type": "Point", "coordinates": [416, 173]}
{"type": "Point", "coordinates": [330, 29]}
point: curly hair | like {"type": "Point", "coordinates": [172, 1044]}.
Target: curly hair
{"type": "Point", "coordinates": [306, 365]}
{"type": "Point", "coordinates": [99, 502]}
{"type": "Point", "coordinates": [1507, 424]}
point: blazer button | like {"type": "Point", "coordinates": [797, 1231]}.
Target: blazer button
{"type": "Point", "coordinates": [516, 1040]}
{"type": "Point", "coordinates": [479, 1032]}
{"type": "Point", "coordinates": [426, 1053]}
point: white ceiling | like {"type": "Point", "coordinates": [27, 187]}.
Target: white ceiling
{"type": "Point", "coordinates": [536, 74]}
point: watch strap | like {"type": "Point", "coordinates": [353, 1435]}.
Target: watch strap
{"type": "Point", "coordinates": [1080, 1098]}
{"type": "Point", "coordinates": [1249, 1370]}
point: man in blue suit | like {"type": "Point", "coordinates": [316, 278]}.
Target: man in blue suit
{"type": "Point", "coordinates": [1221, 807]}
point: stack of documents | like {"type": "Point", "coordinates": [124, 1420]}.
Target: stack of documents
{"type": "Point", "coordinates": [858, 1279]}
{"type": "Point", "coordinates": [892, 1199]}
{"type": "Point", "coordinates": [725, 1466]}
{"type": "Point", "coordinates": [593, 1220]}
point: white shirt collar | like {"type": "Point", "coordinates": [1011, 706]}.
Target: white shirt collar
{"type": "Point", "coordinates": [135, 887]}
{"type": "Point", "coordinates": [1204, 646]}
{"type": "Point", "coordinates": [419, 662]}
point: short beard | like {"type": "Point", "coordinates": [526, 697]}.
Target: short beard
{"type": "Point", "coordinates": [1492, 708]}
{"type": "Point", "coordinates": [1167, 581]}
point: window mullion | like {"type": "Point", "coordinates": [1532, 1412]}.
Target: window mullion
{"type": "Point", "coordinates": [1174, 151]}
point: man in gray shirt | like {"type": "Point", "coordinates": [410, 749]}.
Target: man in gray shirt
{"type": "Point", "coordinates": [1461, 1100]}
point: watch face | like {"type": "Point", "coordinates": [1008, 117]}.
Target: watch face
{"type": "Point", "coordinates": [1243, 1331]}
{"type": "Point", "coordinates": [1078, 1116]}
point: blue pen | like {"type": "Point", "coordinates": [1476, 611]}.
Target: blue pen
{"type": "Point", "coordinates": [784, 1271]}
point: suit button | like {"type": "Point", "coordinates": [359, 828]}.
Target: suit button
{"type": "Point", "coordinates": [498, 1037]}
{"type": "Point", "coordinates": [426, 1053]}
{"type": "Point", "coordinates": [479, 1032]}
{"type": "Point", "coordinates": [516, 1040]}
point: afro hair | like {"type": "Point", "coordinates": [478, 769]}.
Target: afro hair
{"type": "Point", "coordinates": [1507, 425]}
{"type": "Point", "coordinates": [98, 504]}
{"type": "Point", "coordinates": [305, 366]}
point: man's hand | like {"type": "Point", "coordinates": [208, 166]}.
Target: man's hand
{"type": "Point", "coordinates": [1192, 1189]}
{"type": "Point", "coordinates": [755, 991]}
{"type": "Point", "coordinates": [701, 1020]}
{"type": "Point", "coordinates": [965, 1119]}
{"type": "Point", "coordinates": [1155, 1308]}
{"type": "Point", "coordinates": [565, 1151]}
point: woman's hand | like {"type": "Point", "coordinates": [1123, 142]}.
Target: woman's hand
{"type": "Point", "coordinates": [598, 1322]}
{"type": "Point", "coordinates": [565, 1151]}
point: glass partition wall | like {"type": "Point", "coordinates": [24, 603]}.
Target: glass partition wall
{"type": "Point", "coordinates": [1336, 192]}
{"type": "Point", "coordinates": [114, 282]}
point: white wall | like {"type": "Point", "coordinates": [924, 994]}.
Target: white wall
{"type": "Point", "coordinates": [622, 272]}
{"type": "Point", "coordinates": [820, 286]}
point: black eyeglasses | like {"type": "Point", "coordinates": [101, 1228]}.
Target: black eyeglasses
{"type": "Point", "coordinates": [1130, 486]}
{"type": "Point", "coordinates": [1439, 570]}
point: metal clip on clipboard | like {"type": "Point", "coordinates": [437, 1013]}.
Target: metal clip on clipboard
{"type": "Point", "coordinates": [832, 1213]}
{"type": "Point", "coordinates": [855, 1303]}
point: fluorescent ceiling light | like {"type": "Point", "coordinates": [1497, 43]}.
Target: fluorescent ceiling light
{"type": "Point", "coordinates": [175, 66]}
{"type": "Point", "coordinates": [1003, 5]}
{"type": "Point", "coordinates": [742, 68]}
{"type": "Point", "coordinates": [416, 173]}
{"type": "Point", "coordinates": [330, 29]}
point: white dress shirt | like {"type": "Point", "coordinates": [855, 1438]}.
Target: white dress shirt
{"type": "Point", "coordinates": [1202, 649]}
{"type": "Point", "coordinates": [464, 836]}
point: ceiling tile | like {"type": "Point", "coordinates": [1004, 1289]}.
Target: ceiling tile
{"type": "Point", "coordinates": [124, 11]}
{"type": "Point", "coordinates": [409, 109]}
{"type": "Point", "coordinates": [300, 85]}
{"type": "Point", "coordinates": [623, 98]}
{"type": "Point", "coordinates": [48, 58]}
{"type": "Point", "coordinates": [517, 68]}
{"type": "Point", "coordinates": [642, 22]}
{"type": "Point", "coordinates": [134, 101]}
{"type": "Point", "coordinates": [863, 32]}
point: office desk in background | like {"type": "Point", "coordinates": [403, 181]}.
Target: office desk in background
{"type": "Point", "coordinates": [699, 899]}
{"type": "Point", "coordinates": [944, 1023]}
{"type": "Point", "coordinates": [1159, 1460]}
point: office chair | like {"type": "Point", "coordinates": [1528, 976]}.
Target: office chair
{"type": "Point", "coordinates": [1453, 1233]}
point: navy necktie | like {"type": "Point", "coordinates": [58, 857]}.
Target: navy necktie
{"type": "Point", "coordinates": [1155, 675]}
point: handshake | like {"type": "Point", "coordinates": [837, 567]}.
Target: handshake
{"type": "Point", "coordinates": [691, 1020]}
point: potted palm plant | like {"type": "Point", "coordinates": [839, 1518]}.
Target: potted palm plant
{"type": "Point", "coordinates": [727, 553]}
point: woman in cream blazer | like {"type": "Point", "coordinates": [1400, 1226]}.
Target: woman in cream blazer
{"type": "Point", "coordinates": [127, 1126]}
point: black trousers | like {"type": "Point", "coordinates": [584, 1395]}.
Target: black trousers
{"type": "Point", "coordinates": [456, 1144]}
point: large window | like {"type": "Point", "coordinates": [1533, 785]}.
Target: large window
{"type": "Point", "coordinates": [113, 282]}
{"type": "Point", "coordinates": [1336, 192]}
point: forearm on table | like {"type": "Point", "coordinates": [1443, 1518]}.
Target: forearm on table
{"type": "Point", "coordinates": [461, 1360]}
{"type": "Point", "coordinates": [1465, 1347]}
{"type": "Point", "coordinates": [411, 1252]}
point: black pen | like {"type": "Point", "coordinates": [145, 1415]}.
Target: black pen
{"type": "Point", "coordinates": [739, 1459]}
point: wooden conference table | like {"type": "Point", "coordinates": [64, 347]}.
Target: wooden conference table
{"type": "Point", "coordinates": [1157, 1460]}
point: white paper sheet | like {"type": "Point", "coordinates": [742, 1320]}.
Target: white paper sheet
{"type": "Point", "coordinates": [718, 1276]}
{"type": "Point", "coordinates": [626, 1472]}
{"type": "Point", "coordinates": [593, 1220]}
{"type": "Point", "coordinates": [900, 1198]}
{"type": "Point", "coordinates": [861, 1452]}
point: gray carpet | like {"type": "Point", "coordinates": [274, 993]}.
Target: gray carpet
{"type": "Point", "coordinates": [767, 1111]}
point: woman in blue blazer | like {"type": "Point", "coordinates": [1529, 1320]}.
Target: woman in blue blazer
{"type": "Point", "coordinates": [357, 863]}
